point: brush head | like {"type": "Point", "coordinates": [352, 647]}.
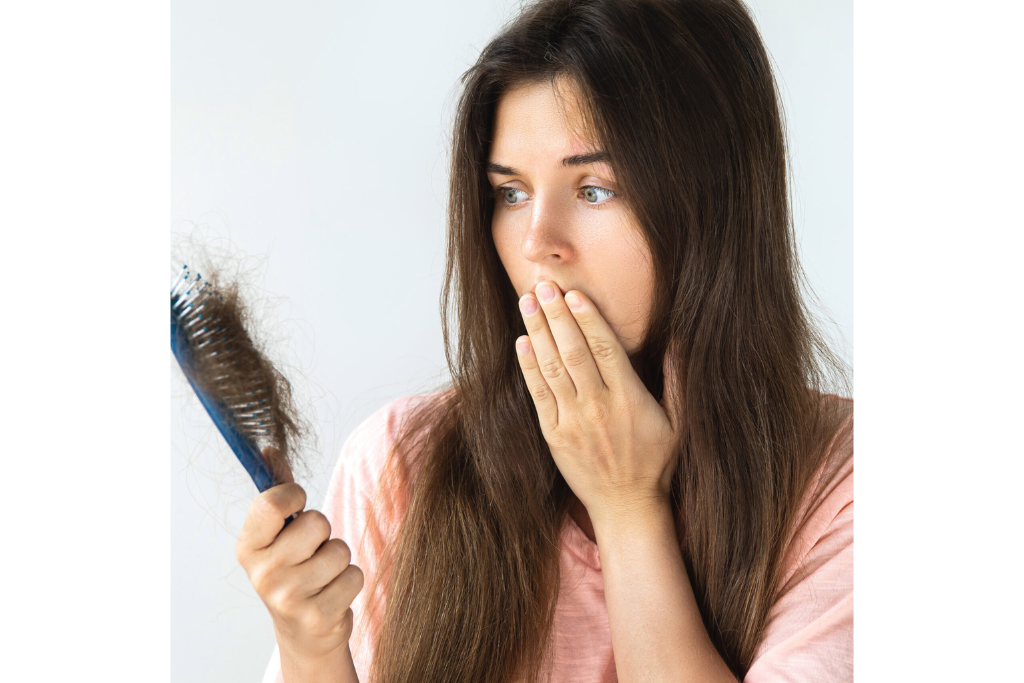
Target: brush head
{"type": "Point", "coordinates": [247, 398]}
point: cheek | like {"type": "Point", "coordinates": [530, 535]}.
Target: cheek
{"type": "Point", "coordinates": [501, 241]}
{"type": "Point", "coordinates": [636, 256]}
{"type": "Point", "coordinates": [628, 285]}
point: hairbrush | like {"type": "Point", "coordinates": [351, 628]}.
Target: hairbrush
{"type": "Point", "coordinates": [246, 397]}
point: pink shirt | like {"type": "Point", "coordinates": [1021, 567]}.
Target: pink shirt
{"type": "Point", "coordinates": [809, 637]}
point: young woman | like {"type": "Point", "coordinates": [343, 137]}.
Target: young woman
{"type": "Point", "coordinates": [635, 473]}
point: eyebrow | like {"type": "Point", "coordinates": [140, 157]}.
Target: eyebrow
{"type": "Point", "coordinates": [574, 160]}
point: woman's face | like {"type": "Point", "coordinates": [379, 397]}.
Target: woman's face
{"type": "Point", "coordinates": [557, 213]}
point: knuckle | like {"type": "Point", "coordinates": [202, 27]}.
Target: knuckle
{"type": "Point", "coordinates": [540, 393]}
{"type": "Point", "coordinates": [280, 500]}
{"type": "Point", "coordinates": [292, 496]}
{"type": "Point", "coordinates": [287, 603]}
{"type": "Point", "coordinates": [355, 575]}
{"type": "Point", "coordinates": [602, 350]}
{"type": "Point", "coordinates": [551, 368]}
{"type": "Point", "coordinates": [342, 553]}
{"type": "Point", "coordinates": [260, 578]}
{"type": "Point", "coordinates": [263, 505]}
{"type": "Point", "coordinates": [575, 356]}
{"type": "Point", "coordinates": [318, 524]}
{"type": "Point", "coordinates": [534, 326]}
{"type": "Point", "coordinates": [596, 411]}
{"type": "Point", "coordinates": [323, 526]}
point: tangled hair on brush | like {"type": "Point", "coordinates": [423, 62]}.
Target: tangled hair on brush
{"type": "Point", "coordinates": [224, 360]}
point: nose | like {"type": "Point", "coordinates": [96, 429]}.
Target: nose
{"type": "Point", "coordinates": [548, 237]}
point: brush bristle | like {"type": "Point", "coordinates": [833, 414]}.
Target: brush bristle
{"type": "Point", "coordinates": [220, 359]}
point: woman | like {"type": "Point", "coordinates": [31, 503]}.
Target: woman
{"type": "Point", "coordinates": [634, 473]}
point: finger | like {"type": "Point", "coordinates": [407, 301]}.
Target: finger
{"type": "Point", "coordinates": [543, 398]}
{"type": "Point", "coordinates": [266, 517]}
{"type": "Point", "coordinates": [278, 465]}
{"type": "Point", "coordinates": [569, 339]}
{"type": "Point", "coordinates": [545, 351]}
{"type": "Point", "coordinates": [605, 348]}
{"type": "Point", "coordinates": [329, 560]}
{"type": "Point", "coordinates": [300, 540]}
{"type": "Point", "coordinates": [337, 596]}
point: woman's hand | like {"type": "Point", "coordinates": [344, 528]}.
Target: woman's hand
{"type": "Point", "coordinates": [304, 579]}
{"type": "Point", "coordinates": [611, 440]}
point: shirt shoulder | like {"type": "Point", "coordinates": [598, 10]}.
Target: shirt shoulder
{"type": "Point", "coordinates": [363, 457]}
{"type": "Point", "coordinates": [809, 635]}
{"type": "Point", "coordinates": [364, 515]}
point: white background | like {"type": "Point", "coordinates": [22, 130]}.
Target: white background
{"type": "Point", "coordinates": [84, 201]}
{"type": "Point", "coordinates": [313, 137]}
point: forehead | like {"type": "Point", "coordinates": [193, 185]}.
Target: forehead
{"type": "Point", "coordinates": [539, 121]}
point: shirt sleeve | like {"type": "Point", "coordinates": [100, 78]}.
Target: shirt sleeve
{"type": "Point", "coordinates": [809, 635]}
{"type": "Point", "coordinates": [346, 506]}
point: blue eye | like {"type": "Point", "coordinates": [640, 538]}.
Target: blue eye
{"type": "Point", "coordinates": [596, 195]}
{"type": "Point", "coordinates": [511, 195]}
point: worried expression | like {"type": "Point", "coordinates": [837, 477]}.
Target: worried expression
{"type": "Point", "coordinates": [558, 216]}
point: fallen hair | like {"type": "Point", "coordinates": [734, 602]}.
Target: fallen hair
{"type": "Point", "coordinates": [222, 359]}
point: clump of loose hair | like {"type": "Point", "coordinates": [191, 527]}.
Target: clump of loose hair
{"type": "Point", "coordinates": [223, 358]}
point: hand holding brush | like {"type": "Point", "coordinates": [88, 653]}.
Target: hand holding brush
{"type": "Point", "coordinates": [306, 581]}
{"type": "Point", "coordinates": [303, 576]}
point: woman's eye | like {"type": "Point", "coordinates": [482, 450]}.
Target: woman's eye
{"type": "Point", "coordinates": [596, 195]}
{"type": "Point", "coordinates": [511, 195]}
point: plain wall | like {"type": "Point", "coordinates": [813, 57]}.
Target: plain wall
{"type": "Point", "coordinates": [313, 137]}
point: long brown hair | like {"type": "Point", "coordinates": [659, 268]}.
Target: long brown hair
{"type": "Point", "coordinates": [680, 93]}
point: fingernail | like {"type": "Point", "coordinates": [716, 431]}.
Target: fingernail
{"type": "Point", "coordinates": [528, 304]}
{"type": "Point", "coordinates": [545, 292]}
{"type": "Point", "coordinates": [523, 345]}
{"type": "Point", "coordinates": [575, 303]}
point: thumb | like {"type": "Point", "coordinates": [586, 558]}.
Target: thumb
{"type": "Point", "coordinates": [278, 466]}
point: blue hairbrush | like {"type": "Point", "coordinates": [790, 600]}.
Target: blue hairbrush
{"type": "Point", "coordinates": [246, 397]}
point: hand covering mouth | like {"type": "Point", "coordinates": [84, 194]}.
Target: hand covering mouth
{"type": "Point", "coordinates": [533, 289]}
